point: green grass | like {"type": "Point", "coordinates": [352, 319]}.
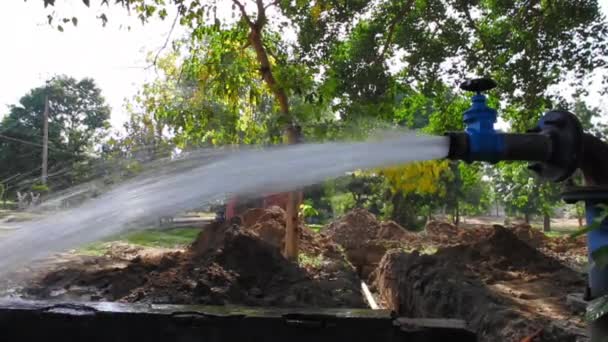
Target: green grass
{"type": "Point", "coordinates": [162, 238]}
{"type": "Point", "coordinates": [93, 249]}
{"type": "Point", "coordinates": [313, 261]}
{"type": "Point", "coordinates": [555, 234]}
{"type": "Point", "coordinates": [167, 238]}
{"type": "Point", "coordinates": [315, 227]}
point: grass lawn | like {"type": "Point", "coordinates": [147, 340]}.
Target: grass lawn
{"type": "Point", "coordinates": [315, 227]}
{"type": "Point", "coordinates": [554, 234]}
{"type": "Point", "coordinates": [167, 238]}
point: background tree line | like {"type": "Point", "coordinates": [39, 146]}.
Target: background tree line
{"type": "Point", "coordinates": [341, 69]}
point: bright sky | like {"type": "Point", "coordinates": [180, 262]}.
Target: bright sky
{"type": "Point", "coordinates": [114, 56]}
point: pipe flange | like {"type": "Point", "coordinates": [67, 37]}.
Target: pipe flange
{"type": "Point", "coordinates": [566, 135]}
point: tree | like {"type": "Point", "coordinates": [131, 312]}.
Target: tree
{"type": "Point", "coordinates": [341, 61]}
{"type": "Point", "coordinates": [522, 193]}
{"type": "Point", "coordinates": [362, 186]}
{"type": "Point", "coordinates": [78, 120]}
{"type": "Point", "coordinates": [414, 187]}
{"type": "Point", "coordinates": [590, 119]}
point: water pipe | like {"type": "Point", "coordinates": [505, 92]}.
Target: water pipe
{"type": "Point", "coordinates": [556, 147]}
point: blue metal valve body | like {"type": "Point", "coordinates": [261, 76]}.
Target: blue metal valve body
{"type": "Point", "coordinates": [596, 239]}
{"type": "Point", "coordinates": [484, 143]}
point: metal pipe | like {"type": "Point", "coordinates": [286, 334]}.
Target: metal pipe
{"type": "Point", "coordinates": [528, 146]}
{"type": "Point", "coordinates": [524, 147]}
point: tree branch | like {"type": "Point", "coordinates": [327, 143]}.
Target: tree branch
{"type": "Point", "coordinates": [243, 12]}
{"type": "Point", "coordinates": [391, 28]}
{"type": "Point", "coordinates": [470, 21]}
{"type": "Point", "coordinates": [274, 3]}
{"type": "Point", "coordinates": [166, 41]}
{"type": "Point", "coordinates": [261, 21]}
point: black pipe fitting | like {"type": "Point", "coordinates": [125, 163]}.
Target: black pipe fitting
{"type": "Point", "coordinates": [524, 147]}
{"type": "Point", "coordinates": [554, 146]}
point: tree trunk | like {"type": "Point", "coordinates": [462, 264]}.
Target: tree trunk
{"type": "Point", "coordinates": [292, 230]}
{"type": "Point", "coordinates": [45, 140]}
{"type": "Point", "coordinates": [456, 218]}
{"type": "Point", "coordinates": [255, 38]}
{"type": "Point", "coordinates": [292, 135]}
{"type": "Point", "coordinates": [527, 217]}
{"type": "Point", "coordinates": [546, 223]}
{"type": "Point", "coordinates": [580, 221]}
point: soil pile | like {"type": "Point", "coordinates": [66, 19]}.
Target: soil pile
{"type": "Point", "coordinates": [442, 231]}
{"type": "Point", "coordinates": [390, 230]}
{"type": "Point", "coordinates": [504, 288]}
{"type": "Point", "coordinates": [440, 234]}
{"type": "Point", "coordinates": [529, 235]}
{"type": "Point", "coordinates": [365, 239]}
{"type": "Point", "coordinates": [354, 229]}
{"type": "Point", "coordinates": [570, 251]}
{"type": "Point", "coordinates": [227, 264]}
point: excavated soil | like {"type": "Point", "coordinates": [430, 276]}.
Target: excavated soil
{"type": "Point", "coordinates": [365, 239]}
{"type": "Point", "coordinates": [227, 264]}
{"type": "Point", "coordinates": [504, 288]}
{"type": "Point", "coordinates": [507, 283]}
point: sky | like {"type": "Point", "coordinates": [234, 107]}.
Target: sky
{"type": "Point", "coordinates": [114, 56]}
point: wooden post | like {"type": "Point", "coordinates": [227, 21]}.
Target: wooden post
{"type": "Point", "coordinates": [45, 139]}
{"type": "Point", "coordinates": [292, 230]}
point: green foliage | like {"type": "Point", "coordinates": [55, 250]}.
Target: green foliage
{"type": "Point", "coordinates": [341, 204]}
{"type": "Point", "coordinates": [78, 121]}
{"type": "Point", "coordinates": [307, 210]}
{"type": "Point", "coordinates": [360, 65]}
{"type": "Point", "coordinates": [363, 187]}
{"type": "Point", "coordinates": [589, 118]}
{"type": "Point", "coordinates": [521, 192]}
{"type": "Point", "coordinates": [41, 188]}
{"type": "Point", "coordinates": [310, 261]}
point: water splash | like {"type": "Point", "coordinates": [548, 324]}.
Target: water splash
{"type": "Point", "coordinates": [202, 177]}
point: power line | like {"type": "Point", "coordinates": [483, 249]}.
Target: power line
{"type": "Point", "coordinates": [25, 142]}
{"type": "Point", "coordinates": [20, 140]}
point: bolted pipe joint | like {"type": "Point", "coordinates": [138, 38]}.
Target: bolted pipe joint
{"type": "Point", "coordinates": [554, 145]}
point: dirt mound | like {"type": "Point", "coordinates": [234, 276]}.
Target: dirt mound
{"type": "Point", "coordinates": [529, 235]}
{"type": "Point", "coordinates": [505, 289]}
{"type": "Point", "coordinates": [390, 230]}
{"type": "Point", "coordinates": [252, 216]}
{"type": "Point", "coordinates": [442, 230]}
{"type": "Point", "coordinates": [227, 264]}
{"type": "Point", "coordinates": [570, 251]}
{"type": "Point", "coordinates": [566, 243]}
{"type": "Point", "coordinates": [365, 239]}
{"type": "Point", "coordinates": [354, 229]}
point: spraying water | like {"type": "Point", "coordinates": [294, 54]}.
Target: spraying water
{"type": "Point", "coordinates": [202, 177]}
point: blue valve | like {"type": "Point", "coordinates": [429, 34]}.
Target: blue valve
{"type": "Point", "coordinates": [484, 142]}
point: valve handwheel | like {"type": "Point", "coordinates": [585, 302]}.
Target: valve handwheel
{"type": "Point", "coordinates": [478, 85]}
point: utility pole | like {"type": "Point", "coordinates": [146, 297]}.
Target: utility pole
{"type": "Point", "coordinates": [45, 139]}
